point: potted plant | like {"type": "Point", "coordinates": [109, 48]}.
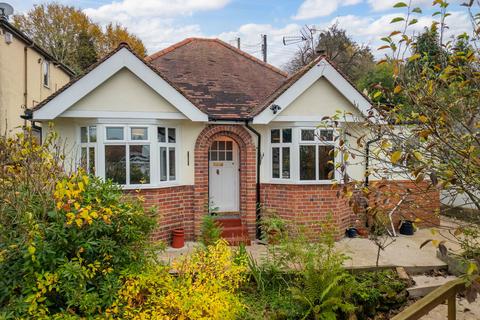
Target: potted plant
{"type": "Point", "coordinates": [272, 227]}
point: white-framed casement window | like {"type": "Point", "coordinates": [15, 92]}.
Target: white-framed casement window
{"type": "Point", "coordinates": [46, 73]}
{"type": "Point", "coordinates": [316, 154]}
{"type": "Point", "coordinates": [281, 141]}
{"type": "Point", "coordinates": [127, 154]}
{"type": "Point", "coordinates": [88, 145]}
{"type": "Point", "coordinates": [167, 146]}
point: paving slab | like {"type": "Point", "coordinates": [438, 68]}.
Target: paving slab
{"type": "Point", "coordinates": [465, 311]}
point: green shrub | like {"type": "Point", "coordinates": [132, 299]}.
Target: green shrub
{"type": "Point", "coordinates": [375, 292]}
{"type": "Point", "coordinates": [211, 231]}
{"type": "Point", "coordinates": [65, 241]}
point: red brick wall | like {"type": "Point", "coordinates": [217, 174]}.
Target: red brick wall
{"type": "Point", "coordinates": [421, 204]}
{"type": "Point", "coordinates": [307, 205]}
{"type": "Point", "coordinates": [174, 208]}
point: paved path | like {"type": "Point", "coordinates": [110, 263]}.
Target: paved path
{"type": "Point", "coordinates": [404, 251]}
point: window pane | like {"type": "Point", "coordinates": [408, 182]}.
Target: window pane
{"type": "Point", "coordinates": [161, 134]}
{"type": "Point", "coordinates": [91, 160]}
{"type": "Point", "coordinates": [139, 164]}
{"type": "Point", "coordinates": [221, 155]}
{"type": "Point", "coordinates": [46, 70]}
{"type": "Point", "coordinates": [325, 154]}
{"type": "Point", "coordinates": [326, 135]}
{"type": "Point", "coordinates": [229, 145]}
{"type": "Point", "coordinates": [114, 133]}
{"type": "Point", "coordinates": [307, 162]}
{"type": "Point", "coordinates": [287, 135]}
{"type": "Point", "coordinates": [139, 133]}
{"type": "Point", "coordinates": [215, 145]}
{"type": "Point", "coordinates": [286, 163]}
{"type": "Point", "coordinates": [171, 135]}
{"type": "Point", "coordinates": [221, 145]}
{"type": "Point", "coordinates": [229, 156]}
{"type": "Point", "coordinates": [92, 133]}
{"type": "Point", "coordinates": [83, 134]}
{"type": "Point", "coordinates": [213, 155]}
{"type": "Point", "coordinates": [171, 163]}
{"type": "Point", "coordinates": [275, 162]}
{"type": "Point", "coordinates": [308, 135]}
{"type": "Point", "coordinates": [163, 164]}
{"type": "Point", "coordinates": [83, 159]}
{"type": "Point", "coordinates": [115, 163]}
{"type": "Point", "coordinates": [275, 136]}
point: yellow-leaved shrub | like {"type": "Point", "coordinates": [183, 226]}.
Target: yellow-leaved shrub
{"type": "Point", "coordinates": [203, 287]}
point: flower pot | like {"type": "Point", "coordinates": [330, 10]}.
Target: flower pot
{"type": "Point", "coordinates": [406, 228]}
{"type": "Point", "coordinates": [178, 238]}
{"type": "Point", "coordinates": [351, 232]}
{"type": "Point", "coordinates": [362, 232]}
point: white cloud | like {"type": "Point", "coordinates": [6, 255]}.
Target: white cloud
{"type": "Point", "coordinates": [152, 8]}
{"type": "Point", "coordinates": [321, 8]}
{"type": "Point", "coordinates": [383, 5]}
{"type": "Point", "coordinates": [368, 30]}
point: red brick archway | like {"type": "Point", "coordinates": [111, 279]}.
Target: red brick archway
{"type": "Point", "coordinates": [247, 173]}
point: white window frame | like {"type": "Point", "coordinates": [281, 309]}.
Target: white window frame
{"type": "Point", "coordinates": [152, 142]}
{"type": "Point", "coordinates": [167, 145]}
{"type": "Point", "coordinates": [89, 144]}
{"type": "Point", "coordinates": [295, 153]}
{"type": "Point", "coordinates": [46, 68]}
{"type": "Point", "coordinates": [316, 142]}
{"type": "Point", "coordinates": [280, 145]}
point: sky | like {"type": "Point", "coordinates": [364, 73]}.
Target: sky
{"type": "Point", "coordinates": [160, 23]}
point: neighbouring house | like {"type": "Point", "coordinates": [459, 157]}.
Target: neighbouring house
{"type": "Point", "coordinates": [28, 74]}
{"type": "Point", "coordinates": [203, 125]}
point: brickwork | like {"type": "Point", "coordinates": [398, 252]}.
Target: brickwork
{"type": "Point", "coordinates": [247, 173]}
{"type": "Point", "coordinates": [174, 207]}
{"type": "Point", "coordinates": [422, 204]}
{"type": "Point", "coordinates": [307, 205]}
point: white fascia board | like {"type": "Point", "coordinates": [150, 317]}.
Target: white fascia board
{"type": "Point", "coordinates": [121, 115]}
{"type": "Point", "coordinates": [321, 69]}
{"type": "Point", "coordinates": [121, 59]}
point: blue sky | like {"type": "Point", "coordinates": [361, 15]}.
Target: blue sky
{"type": "Point", "coordinates": [160, 23]}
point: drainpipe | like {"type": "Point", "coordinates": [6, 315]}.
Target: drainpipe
{"type": "Point", "coordinates": [367, 157]}
{"type": "Point", "coordinates": [25, 81]}
{"type": "Point", "coordinates": [257, 195]}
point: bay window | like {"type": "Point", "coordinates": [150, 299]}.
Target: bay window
{"type": "Point", "coordinates": [302, 154]}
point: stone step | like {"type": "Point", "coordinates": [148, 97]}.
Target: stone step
{"type": "Point", "coordinates": [226, 222]}
{"type": "Point", "coordinates": [426, 284]}
{"type": "Point", "coordinates": [237, 231]}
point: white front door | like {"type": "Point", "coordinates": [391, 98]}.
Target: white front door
{"type": "Point", "coordinates": [224, 175]}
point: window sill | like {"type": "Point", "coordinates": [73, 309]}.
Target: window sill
{"type": "Point", "coordinates": [301, 182]}
{"type": "Point", "coordinates": [150, 186]}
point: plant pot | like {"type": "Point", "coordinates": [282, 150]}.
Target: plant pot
{"type": "Point", "coordinates": [351, 232]}
{"type": "Point", "coordinates": [362, 232]}
{"type": "Point", "coordinates": [406, 228]}
{"type": "Point", "coordinates": [273, 236]}
{"type": "Point", "coordinates": [178, 238]}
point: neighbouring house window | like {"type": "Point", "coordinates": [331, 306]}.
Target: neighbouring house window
{"type": "Point", "coordinates": [46, 73]}
{"type": "Point", "coordinates": [281, 140]}
{"type": "Point", "coordinates": [127, 155]}
{"type": "Point", "coordinates": [88, 139]}
{"type": "Point", "coordinates": [167, 142]}
{"type": "Point", "coordinates": [316, 154]}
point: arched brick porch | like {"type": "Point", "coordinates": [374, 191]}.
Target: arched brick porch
{"type": "Point", "coordinates": [247, 173]}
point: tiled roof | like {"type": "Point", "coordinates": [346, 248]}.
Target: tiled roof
{"type": "Point", "coordinates": [221, 80]}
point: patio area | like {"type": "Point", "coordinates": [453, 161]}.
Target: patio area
{"type": "Point", "coordinates": [404, 251]}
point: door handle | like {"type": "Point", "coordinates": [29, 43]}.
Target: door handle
{"type": "Point", "coordinates": [218, 171]}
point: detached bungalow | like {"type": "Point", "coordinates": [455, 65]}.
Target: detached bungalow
{"type": "Point", "coordinates": [203, 125]}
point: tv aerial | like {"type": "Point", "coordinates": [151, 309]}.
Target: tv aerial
{"type": "Point", "coordinates": [5, 10]}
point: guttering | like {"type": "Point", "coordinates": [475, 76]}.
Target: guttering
{"type": "Point", "coordinates": [257, 193]}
